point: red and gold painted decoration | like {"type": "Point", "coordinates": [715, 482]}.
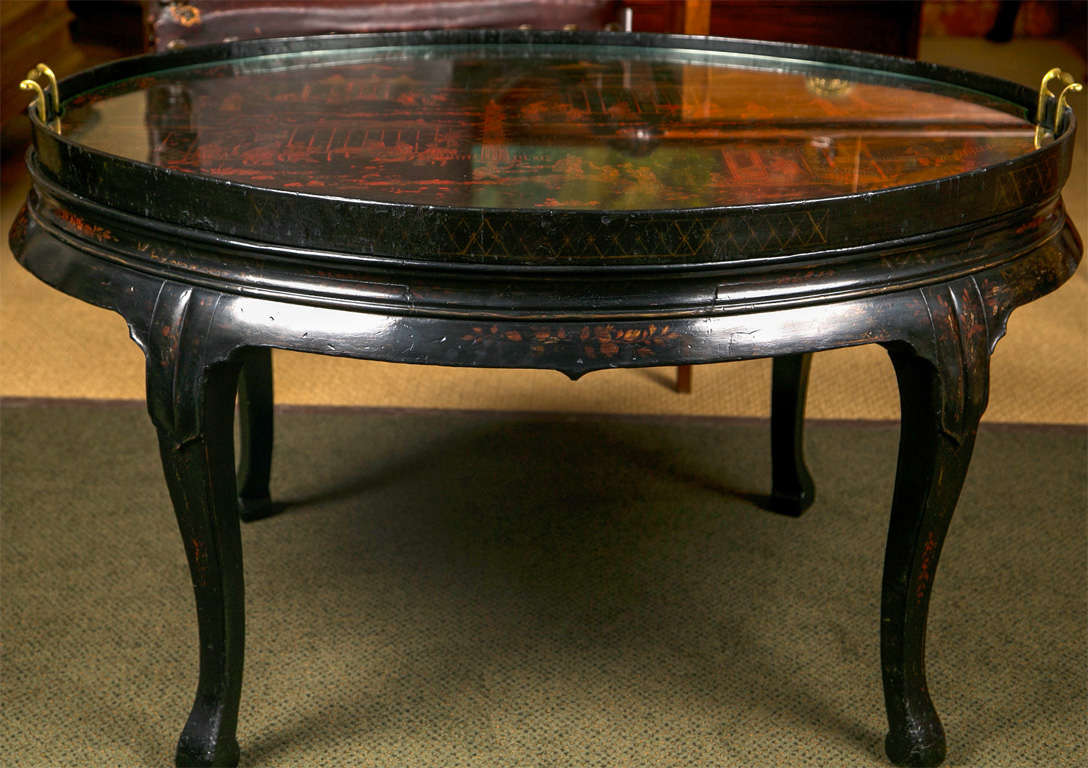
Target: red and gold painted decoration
{"type": "Point", "coordinates": [488, 127]}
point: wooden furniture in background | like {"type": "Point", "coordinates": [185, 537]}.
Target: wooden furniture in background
{"type": "Point", "coordinates": [891, 26]}
{"type": "Point", "coordinates": [173, 24]}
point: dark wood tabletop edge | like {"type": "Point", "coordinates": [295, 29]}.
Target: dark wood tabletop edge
{"type": "Point", "coordinates": [681, 238]}
{"type": "Point", "coordinates": [570, 342]}
{"type": "Point", "coordinates": [878, 270]}
{"type": "Point", "coordinates": [227, 245]}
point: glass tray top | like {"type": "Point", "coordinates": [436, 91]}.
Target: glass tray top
{"type": "Point", "coordinates": [561, 127]}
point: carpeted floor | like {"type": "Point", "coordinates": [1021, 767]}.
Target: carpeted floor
{"type": "Point", "coordinates": [466, 589]}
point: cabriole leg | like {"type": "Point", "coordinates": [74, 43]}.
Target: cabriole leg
{"type": "Point", "coordinates": [190, 393]}
{"type": "Point", "coordinates": [200, 474]}
{"type": "Point", "coordinates": [942, 396]}
{"type": "Point", "coordinates": [792, 489]}
{"type": "Point", "coordinates": [255, 435]}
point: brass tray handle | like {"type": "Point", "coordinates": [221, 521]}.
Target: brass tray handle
{"type": "Point", "coordinates": [39, 102]}
{"type": "Point", "coordinates": [31, 83]}
{"type": "Point", "coordinates": [1059, 111]}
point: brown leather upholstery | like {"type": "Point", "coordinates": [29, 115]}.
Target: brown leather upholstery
{"type": "Point", "coordinates": [172, 23]}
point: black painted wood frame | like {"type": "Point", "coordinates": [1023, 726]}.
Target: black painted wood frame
{"type": "Point", "coordinates": [931, 272]}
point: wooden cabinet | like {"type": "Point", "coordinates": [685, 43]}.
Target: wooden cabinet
{"type": "Point", "coordinates": [883, 27]}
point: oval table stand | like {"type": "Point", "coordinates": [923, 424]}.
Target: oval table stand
{"type": "Point", "coordinates": [212, 271]}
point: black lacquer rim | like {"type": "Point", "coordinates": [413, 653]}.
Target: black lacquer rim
{"type": "Point", "coordinates": [70, 162]}
{"type": "Point", "coordinates": [214, 242]}
{"type": "Point", "coordinates": [435, 290]}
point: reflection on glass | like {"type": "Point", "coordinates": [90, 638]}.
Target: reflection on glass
{"type": "Point", "coordinates": [588, 128]}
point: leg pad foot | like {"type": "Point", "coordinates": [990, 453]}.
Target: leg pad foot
{"type": "Point", "coordinates": [250, 509]}
{"type": "Point", "coordinates": [791, 504]}
{"type": "Point", "coordinates": [193, 753]}
{"type": "Point", "coordinates": [917, 744]}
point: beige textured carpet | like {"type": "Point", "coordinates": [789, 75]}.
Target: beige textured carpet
{"type": "Point", "coordinates": [54, 346]}
{"type": "Point", "coordinates": [455, 589]}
